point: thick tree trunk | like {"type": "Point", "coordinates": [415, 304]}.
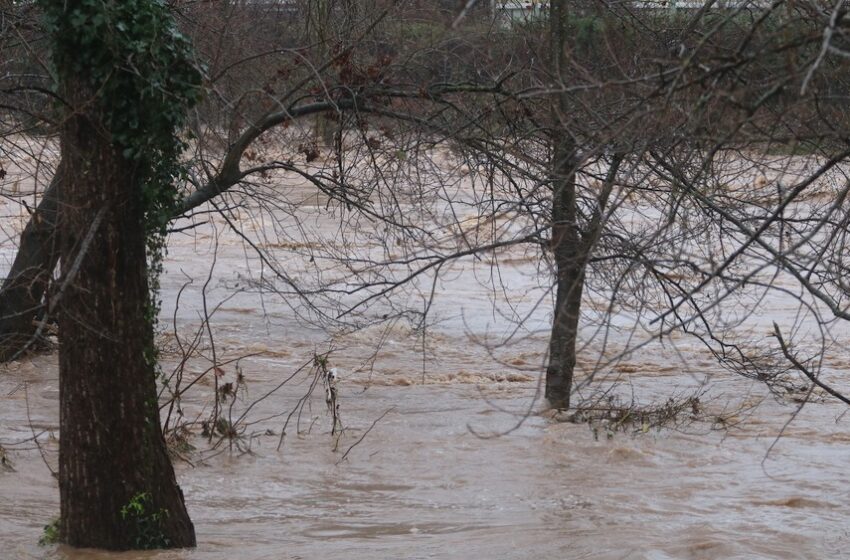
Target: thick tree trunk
{"type": "Point", "coordinates": [117, 486]}
{"type": "Point", "coordinates": [568, 252]}
{"type": "Point", "coordinates": [567, 247]}
{"type": "Point", "coordinates": [24, 287]}
{"type": "Point", "coordinates": [562, 344]}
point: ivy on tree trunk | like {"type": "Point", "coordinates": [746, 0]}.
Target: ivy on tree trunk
{"type": "Point", "coordinates": [111, 448]}
{"type": "Point", "coordinates": [126, 78]}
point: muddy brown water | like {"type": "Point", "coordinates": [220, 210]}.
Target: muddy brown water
{"type": "Point", "coordinates": [461, 465]}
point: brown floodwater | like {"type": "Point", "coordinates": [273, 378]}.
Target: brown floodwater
{"type": "Point", "coordinates": [449, 456]}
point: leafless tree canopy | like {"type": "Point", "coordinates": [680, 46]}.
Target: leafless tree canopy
{"type": "Point", "coordinates": [682, 166]}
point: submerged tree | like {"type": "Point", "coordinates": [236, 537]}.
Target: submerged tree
{"type": "Point", "coordinates": [621, 114]}
{"type": "Point", "coordinates": [566, 237]}
{"type": "Point", "coordinates": [126, 79]}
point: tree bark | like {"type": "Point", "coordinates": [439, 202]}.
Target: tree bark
{"type": "Point", "coordinates": [27, 281]}
{"type": "Point", "coordinates": [568, 252]}
{"type": "Point", "coordinates": [562, 344]}
{"type": "Point", "coordinates": [117, 485]}
{"type": "Point", "coordinates": [567, 247]}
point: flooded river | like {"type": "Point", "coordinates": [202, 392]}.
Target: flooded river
{"type": "Point", "coordinates": [449, 456]}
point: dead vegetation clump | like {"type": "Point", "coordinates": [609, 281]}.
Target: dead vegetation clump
{"type": "Point", "coordinates": [610, 415]}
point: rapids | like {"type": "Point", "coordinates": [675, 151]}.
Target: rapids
{"type": "Point", "coordinates": [449, 455]}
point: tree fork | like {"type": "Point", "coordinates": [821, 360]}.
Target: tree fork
{"type": "Point", "coordinates": [23, 290]}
